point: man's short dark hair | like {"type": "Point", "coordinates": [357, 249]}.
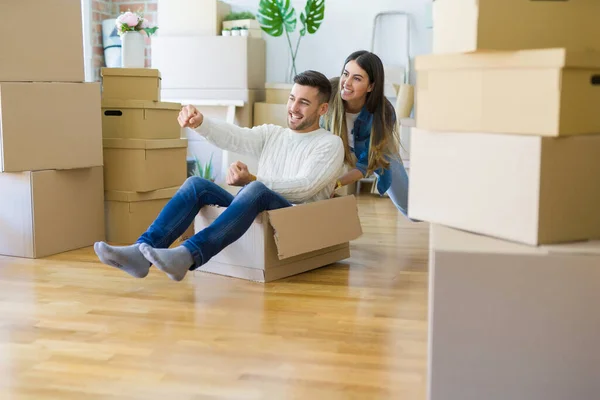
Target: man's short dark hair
{"type": "Point", "coordinates": [317, 80]}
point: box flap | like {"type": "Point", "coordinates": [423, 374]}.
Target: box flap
{"type": "Point", "coordinates": [128, 197]}
{"type": "Point", "coordinates": [314, 226]}
{"type": "Point", "coordinates": [539, 58]}
{"type": "Point", "coordinates": [140, 72]}
{"type": "Point", "coordinates": [147, 104]}
{"type": "Point", "coordinates": [113, 143]}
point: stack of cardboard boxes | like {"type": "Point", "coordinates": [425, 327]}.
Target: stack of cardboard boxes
{"type": "Point", "coordinates": [144, 153]}
{"type": "Point", "coordinates": [51, 191]}
{"type": "Point", "coordinates": [221, 75]}
{"type": "Point", "coordinates": [505, 165]}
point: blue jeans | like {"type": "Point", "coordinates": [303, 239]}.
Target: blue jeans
{"type": "Point", "coordinates": [195, 193]}
{"type": "Point", "coordinates": [398, 190]}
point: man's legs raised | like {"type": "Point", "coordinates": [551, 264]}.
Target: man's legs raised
{"type": "Point", "coordinates": [253, 199]}
{"type": "Point", "coordinates": [172, 221]}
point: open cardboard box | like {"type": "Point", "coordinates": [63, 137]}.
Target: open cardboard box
{"type": "Point", "coordinates": [288, 241]}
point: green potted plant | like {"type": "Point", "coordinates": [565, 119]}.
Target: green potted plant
{"type": "Point", "coordinates": [244, 19]}
{"type": "Point", "coordinates": [278, 16]}
{"type": "Point", "coordinates": [226, 32]}
{"type": "Point", "coordinates": [203, 171]}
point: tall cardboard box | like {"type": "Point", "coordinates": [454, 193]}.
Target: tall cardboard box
{"type": "Point", "coordinates": [191, 17]}
{"type": "Point", "coordinates": [33, 49]}
{"type": "Point", "coordinates": [49, 126]}
{"type": "Point", "coordinates": [550, 92]}
{"type": "Point", "coordinates": [49, 212]}
{"type": "Point", "coordinates": [129, 214]}
{"type": "Point", "coordinates": [527, 189]}
{"type": "Point", "coordinates": [212, 62]}
{"type": "Point", "coordinates": [470, 25]}
{"type": "Point", "coordinates": [278, 93]}
{"type": "Point", "coordinates": [132, 165]}
{"type": "Point", "coordinates": [509, 321]}
{"type": "Point", "coordinates": [270, 113]}
{"type": "Point", "coordinates": [286, 242]}
{"type": "Point", "coordinates": [131, 83]}
{"type": "Point", "coordinates": [140, 119]}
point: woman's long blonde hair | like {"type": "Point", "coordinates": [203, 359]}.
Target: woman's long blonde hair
{"type": "Point", "coordinates": [384, 141]}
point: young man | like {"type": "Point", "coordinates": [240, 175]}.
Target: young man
{"type": "Point", "coordinates": [296, 165]}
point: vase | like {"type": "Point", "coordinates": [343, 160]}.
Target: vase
{"type": "Point", "coordinates": [133, 50]}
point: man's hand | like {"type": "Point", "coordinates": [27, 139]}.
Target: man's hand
{"type": "Point", "coordinates": [238, 174]}
{"type": "Point", "coordinates": [190, 117]}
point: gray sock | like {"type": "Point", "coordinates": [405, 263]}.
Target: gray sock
{"type": "Point", "coordinates": [126, 258]}
{"type": "Point", "coordinates": [174, 262]}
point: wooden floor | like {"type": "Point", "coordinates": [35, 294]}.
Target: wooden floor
{"type": "Point", "coordinates": [72, 328]}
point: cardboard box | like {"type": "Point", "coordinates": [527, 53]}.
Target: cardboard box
{"type": "Point", "coordinates": [509, 321]}
{"type": "Point", "coordinates": [49, 126]}
{"type": "Point", "coordinates": [131, 84]}
{"type": "Point", "coordinates": [191, 17]}
{"type": "Point", "coordinates": [132, 165]}
{"type": "Point", "coordinates": [129, 214]}
{"type": "Point", "coordinates": [34, 50]}
{"type": "Point", "coordinates": [278, 93]}
{"type": "Point", "coordinates": [267, 113]}
{"type": "Point", "coordinates": [240, 63]}
{"type": "Point", "coordinates": [527, 189]}
{"type": "Point", "coordinates": [539, 92]}
{"type": "Point", "coordinates": [139, 119]}
{"type": "Point", "coordinates": [285, 242]}
{"type": "Point", "coordinates": [49, 212]}
{"type": "Point", "coordinates": [469, 25]}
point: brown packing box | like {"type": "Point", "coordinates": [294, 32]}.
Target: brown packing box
{"type": "Point", "coordinates": [144, 165]}
{"type": "Point", "coordinates": [33, 49]}
{"type": "Point", "coordinates": [288, 241]}
{"type": "Point", "coordinates": [509, 321]}
{"type": "Point", "coordinates": [468, 25]}
{"type": "Point", "coordinates": [526, 189]}
{"type": "Point", "coordinates": [212, 62]}
{"type": "Point", "coordinates": [131, 84]}
{"type": "Point", "coordinates": [49, 126]}
{"type": "Point", "coordinates": [49, 212]}
{"type": "Point", "coordinates": [139, 119]}
{"type": "Point", "coordinates": [129, 214]}
{"type": "Point", "coordinates": [278, 93]}
{"type": "Point", "coordinates": [547, 92]}
{"type": "Point", "coordinates": [267, 113]}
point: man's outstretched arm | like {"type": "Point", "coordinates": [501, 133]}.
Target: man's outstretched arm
{"type": "Point", "coordinates": [224, 135]}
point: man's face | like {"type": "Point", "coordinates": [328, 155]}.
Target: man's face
{"type": "Point", "coordinates": [303, 108]}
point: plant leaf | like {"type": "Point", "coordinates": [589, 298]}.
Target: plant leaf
{"type": "Point", "coordinates": [313, 16]}
{"type": "Point", "coordinates": [276, 15]}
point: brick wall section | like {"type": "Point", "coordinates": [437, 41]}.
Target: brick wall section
{"type": "Point", "coordinates": [104, 9]}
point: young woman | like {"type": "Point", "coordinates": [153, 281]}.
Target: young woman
{"type": "Point", "coordinates": [366, 121]}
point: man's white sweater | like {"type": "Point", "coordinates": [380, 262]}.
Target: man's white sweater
{"type": "Point", "coordinates": [302, 167]}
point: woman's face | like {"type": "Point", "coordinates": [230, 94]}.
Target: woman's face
{"type": "Point", "coordinates": [354, 82]}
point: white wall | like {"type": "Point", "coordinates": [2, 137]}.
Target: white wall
{"type": "Point", "coordinates": [347, 27]}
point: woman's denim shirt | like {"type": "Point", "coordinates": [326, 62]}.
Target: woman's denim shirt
{"type": "Point", "coordinates": [362, 136]}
